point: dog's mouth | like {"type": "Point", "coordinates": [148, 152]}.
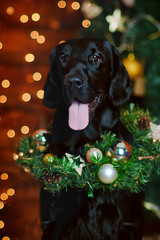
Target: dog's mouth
{"type": "Point", "coordinates": [79, 113]}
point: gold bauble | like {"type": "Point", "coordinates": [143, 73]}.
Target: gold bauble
{"type": "Point", "coordinates": [30, 151]}
{"type": "Point", "coordinates": [20, 154]}
{"type": "Point", "coordinates": [48, 158]}
{"type": "Point", "coordinates": [93, 152]}
{"type": "Point", "coordinates": [15, 156]}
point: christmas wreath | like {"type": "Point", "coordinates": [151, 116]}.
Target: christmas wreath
{"type": "Point", "coordinates": [110, 163]}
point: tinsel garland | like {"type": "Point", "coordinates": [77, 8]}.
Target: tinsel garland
{"type": "Point", "coordinates": [60, 173]}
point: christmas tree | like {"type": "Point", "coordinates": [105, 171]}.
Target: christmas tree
{"type": "Point", "coordinates": [133, 26]}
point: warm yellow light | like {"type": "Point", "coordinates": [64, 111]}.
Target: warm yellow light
{"type": "Point", "coordinates": [1, 45]}
{"type": "Point", "coordinates": [1, 224]}
{"type": "Point", "coordinates": [29, 57]}
{"type": "Point", "coordinates": [3, 99]}
{"type": "Point", "coordinates": [4, 196]}
{"type": "Point", "coordinates": [11, 133]}
{"type": "Point", "coordinates": [5, 238]}
{"type": "Point", "coordinates": [62, 41]}
{"type": "Point", "coordinates": [134, 67]}
{"type": "Point", "coordinates": [40, 94]}
{"type": "Point", "coordinates": [26, 97]}
{"type": "Point", "coordinates": [24, 18]}
{"type": "Point", "coordinates": [10, 192]}
{"type": "Point", "coordinates": [25, 129]}
{"type": "Point", "coordinates": [131, 56]}
{"type": "Point", "coordinates": [1, 205]}
{"type": "Point", "coordinates": [41, 39]}
{"type": "Point", "coordinates": [5, 83]}
{"type": "Point", "coordinates": [86, 23]}
{"type": "Point", "coordinates": [75, 5]}
{"type": "Point", "coordinates": [35, 17]}
{"type": "Point", "coordinates": [10, 10]}
{"type": "Point", "coordinates": [4, 176]}
{"type": "Point", "coordinates": [26, 169]}
{"type": "Point", "coordinates": [34, 34]}
{"type": "Point", "coordinates": [61, 4]}
{"type": "Point", "coordinates": [37, 76]}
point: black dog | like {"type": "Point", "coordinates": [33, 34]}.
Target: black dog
{"type": "Point", "coordinates": [87, 84]}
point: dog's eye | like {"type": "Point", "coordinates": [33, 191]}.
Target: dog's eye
{"type": "Point", "coordinates": [63, 58]}
{"type": "Point", "coordinates": [94, 58]}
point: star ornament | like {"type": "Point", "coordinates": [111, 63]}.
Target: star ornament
{"type": "Point", "coordinates": [116, 21]}
{"type": "Point", "coordinates": [79, 162]}
{"type": "Point", "coordinates": [155, 132]}
{"type": "Point", "coordinates": [90, 10]}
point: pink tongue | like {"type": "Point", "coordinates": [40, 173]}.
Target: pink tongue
{"type": "Point", "coordinates": [78, 115]}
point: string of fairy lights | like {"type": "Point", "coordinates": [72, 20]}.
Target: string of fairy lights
{"type": "Point", "coordinates": [90, 10]}
{"type": "Point", "coordinates": [7, 192]}
{"type": "Point", "coordinates": [30, 57]}
{"type": "Point", "coordinates": [4, 197]}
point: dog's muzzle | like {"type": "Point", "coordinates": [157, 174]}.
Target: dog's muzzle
{"type": "Point", "coordinates": [73, 82]}
{"type": "Point", "coordinates": [79, 111]}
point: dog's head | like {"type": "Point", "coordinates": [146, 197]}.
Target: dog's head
{"type": "Point", "coordinates": [83, 73]}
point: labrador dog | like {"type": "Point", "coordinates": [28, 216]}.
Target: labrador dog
{"type": "Point", "coordinates": [87, 83]}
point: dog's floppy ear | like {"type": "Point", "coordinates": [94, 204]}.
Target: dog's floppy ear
{"type": "Point", "coordinates": [52, 88]}
{"type": "Point", "coordinates": [120, 86]}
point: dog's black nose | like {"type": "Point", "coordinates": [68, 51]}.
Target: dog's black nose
{"type": "Point", "coordinates": [74, 82]}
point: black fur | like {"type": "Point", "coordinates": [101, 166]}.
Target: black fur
{"type": "Point", "coordinates": [89, 71]}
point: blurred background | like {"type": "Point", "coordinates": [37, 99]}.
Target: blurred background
{"type": "Point", "coordinates": [29, 29]}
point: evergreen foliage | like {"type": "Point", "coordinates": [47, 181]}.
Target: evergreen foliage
{"type": "Point", "coordinates": [141, 36]}
{"type": "Point", "coordinates": [133, 175]}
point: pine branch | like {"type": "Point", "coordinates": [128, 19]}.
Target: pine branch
{"type": "Point", "coordinates": [133, 175]}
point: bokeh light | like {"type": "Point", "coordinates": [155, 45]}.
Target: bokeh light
{"type": "Point", "coordinates": [10, 192]}
{"type": "Point", "coordinates": [86, 23]}
{"type": "Point", "coordinates": [5, 83]}
{"type": "Point", "coordinates": [40, 94]}
{"type": "Point", "coordinates": [25, 129]}
{"type": "Point", "coordinates": [1, 205]}
{"type": "Point", "coordinates": [131, 56]}
{"type": "Point", "coordinates": [1, 224]}
{"type": "Point", "coordinates": [24, 18]}
{"type": "Point", "coordinates": [41, 39]}
{"type": "Point", "coordinates": [4, 176]}
{"type": "Point", "coordinates": [35, 17]}
{"type": "Point", "coordinates": [29, 57]}
{"type": "Point", "coordinates": [5, 238]}
{"type": "Point", "coordinates": [75, 5]}
{"type": "Point", "coordinates": [3, 99]}
{"type": "Point", "coordinates": [26, 97]}
{"type": "Point", "coordinates": [10, 10]}
{"type": "Point", "coordinates": [62, 41]}
{"type": "Point", "coordinates": [34, 34]}
{"type": "Point", "coordinates": [1, 45]}
{"type": "Point", "coordinates": [4, 196]}
{"type": "Point", "coordinates": [37, 76]}
{"type": "Point", "coordinates": [11, 133]}
{"type": "Point", "coordinates": [61, 4]}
